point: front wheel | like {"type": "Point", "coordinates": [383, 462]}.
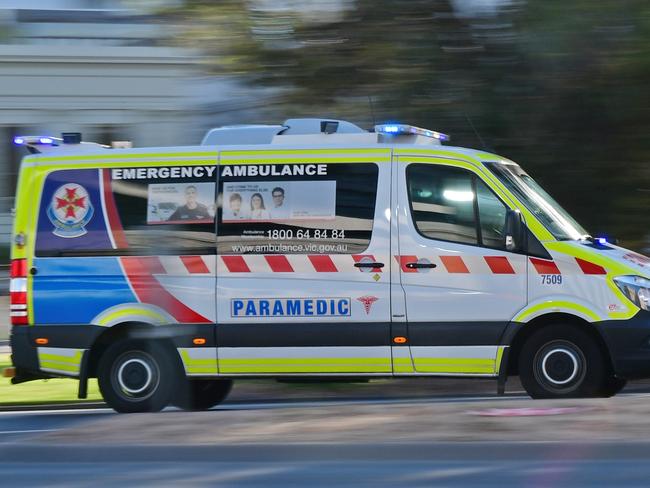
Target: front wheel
{"type": "Point", "coordinates": [562, 361]}
{"type": "Point", "coordinates": [137, 376]}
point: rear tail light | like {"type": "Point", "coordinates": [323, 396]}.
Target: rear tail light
{"type": "Point", "coordinates": [18, 292]}
{"type": "Point", "coordinates": [18, 268]}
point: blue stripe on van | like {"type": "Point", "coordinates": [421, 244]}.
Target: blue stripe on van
{"type": "Point", "coordinates": [75, 290]}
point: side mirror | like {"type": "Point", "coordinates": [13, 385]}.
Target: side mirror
{"type": "Point", "coordinates": [514, 238]}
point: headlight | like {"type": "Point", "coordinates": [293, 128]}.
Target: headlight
{"type": "Point", "coordinates": [636, 288]}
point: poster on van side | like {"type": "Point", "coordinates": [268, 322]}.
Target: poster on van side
{"type": "Point", "coordinates": [279, 201]}
{"type": "Point", "coordinates": [180, 203]}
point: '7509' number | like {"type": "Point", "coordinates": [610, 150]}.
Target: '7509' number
{"type": "Point", "coordinates": [551, 279]}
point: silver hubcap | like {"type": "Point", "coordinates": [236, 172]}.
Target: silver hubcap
{"type": "Point", "coordinates": [136, 375]}
{"type": "Point", "coordinates": [560, 366]}
{"type": "Point", "coordinates": [132, 374]}
{"type": "Point", "coordinates": [556, 376]}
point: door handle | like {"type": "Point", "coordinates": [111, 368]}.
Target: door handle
{"type": "Point", "coordinates": [368, 265]}
{"type": "Point", "coordinates": [417, 265]}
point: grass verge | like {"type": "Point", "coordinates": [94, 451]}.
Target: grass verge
{"type": "Point", "coordinates": [60, 390]}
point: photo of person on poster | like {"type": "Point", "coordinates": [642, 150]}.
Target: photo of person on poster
{"type": "Point", "coordinates": [193, 209]}
{"type": "Point", "coordinates": [279, 211]}
{"type": "Point", "coordinates": [258, 210]}
{"type": "Point", "coordinates": [278, 201]}
{"type": "Point", "coordinates": [234, 211]}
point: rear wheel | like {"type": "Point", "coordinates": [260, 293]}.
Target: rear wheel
{"type": "Point", "coordinates": [137, 376]}
{"type": "Point", "coordinates": [562, 361]}
{"type": "Point", "coordinates": [202, 394]}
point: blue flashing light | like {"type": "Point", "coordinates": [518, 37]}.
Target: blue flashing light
{"type": "Point", "coordinates": [19, 141]}
{"type": "Point", "coordinates": [601, 240]}
{"type": "Point", "coordinates": [441, 136]}
{"type": "Point", "coordinates": [46, 140]}
{"type": "Point", "coordinates": [409, 129]}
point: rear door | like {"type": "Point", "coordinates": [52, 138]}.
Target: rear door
{"type": "Point", "coordinates": [303, 263]}
{"type": "Point", "coordinates": [460, 286]}
{"type": "Point", "coordinates": [124, 243]}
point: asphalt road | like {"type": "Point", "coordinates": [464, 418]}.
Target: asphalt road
{"type": "Point", "coordinates": [29, 456]}
{"type": "Point", "coordinates": [23, 425]}
{"type": "Point", "coordinates": [502, 464]}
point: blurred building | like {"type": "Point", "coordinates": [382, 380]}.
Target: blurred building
{"type": "Point", "coordinates": [107, 70]}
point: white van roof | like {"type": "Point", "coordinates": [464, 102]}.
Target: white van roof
{"type": "Point", "coordinates": [320, 132]}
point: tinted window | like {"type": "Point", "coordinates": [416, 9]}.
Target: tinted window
{"type": "Point", "coordinates": [442, 202]}
{"type": "Point", "coordinates": [452, 204]}
{"type": "Point", "coordinates": [147, 211]}
{"type": "Point", "coordinates": [296, 208]}
{"type": "Point", "coordinates": [492, 216]}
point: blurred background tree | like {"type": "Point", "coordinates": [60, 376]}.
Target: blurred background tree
{"type": "Point", "coordinates": [558, 87]}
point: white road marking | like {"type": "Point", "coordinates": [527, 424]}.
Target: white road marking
{"type": "Point", "coordinates": [26, 431]}
{"type": "Point", "coordinates": [69, 411]}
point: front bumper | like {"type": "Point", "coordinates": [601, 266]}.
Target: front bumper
{"type": "Point", "coordinates": [628, 342]}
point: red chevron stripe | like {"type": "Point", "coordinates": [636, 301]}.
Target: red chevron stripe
{"type": "Point", "coordinates": [454, 264]}
{"type": "Point", "coordinates": [322, 263]}
{"type": "Point", "coordinates": [279, 263]}
{"type": "Point", "coordinates": [499, 264]}
{"type": "Point", "coordinates": [236, 264]}
{"type": "Point", "coordinates": [590, 268]}
{"type": "Point", "coordinates": [543, 266]}
{"type": "Point", "coordinates": [194, 264]}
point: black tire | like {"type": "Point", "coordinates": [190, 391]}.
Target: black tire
{"type": "Point", "coordinates": [562, 361]}
{"type": "Point", "coordinates": [612, 386]}
{"type": "Point", "coordinates": [137, 376]}
{"type": "Point", "coordinates": [202, 394]}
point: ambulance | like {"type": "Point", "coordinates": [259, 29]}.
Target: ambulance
{"type": "Point", "coordinates": [312, 249]}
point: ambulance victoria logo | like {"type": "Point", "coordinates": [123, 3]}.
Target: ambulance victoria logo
{"type": "Point", "coordinates": [70, 210]}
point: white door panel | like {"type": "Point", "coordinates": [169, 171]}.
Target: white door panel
{"type": "Point", "coordinates": [475, 287]}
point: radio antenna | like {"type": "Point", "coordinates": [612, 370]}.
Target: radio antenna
{"type": "Point", "coordinates": [372, 111]}
{"type": "Point", "coordinates": [478, 136]}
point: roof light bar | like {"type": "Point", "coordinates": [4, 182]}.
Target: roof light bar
{"type": "Point", "coordinates": [405, 129]}
{"type": "Point", "coordinates": [32, 140]}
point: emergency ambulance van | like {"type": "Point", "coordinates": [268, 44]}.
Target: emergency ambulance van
{"type": "Point", "coordinates": [310, 249]}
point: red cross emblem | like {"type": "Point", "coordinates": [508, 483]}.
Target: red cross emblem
{"type": "Point", "coordinates": [70, 203]}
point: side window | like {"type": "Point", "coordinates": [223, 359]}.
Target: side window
{"type": "Point", "coordinates": [296, 208]}
{"type": "Point", "coordinates": [452, 204]}
{"type": "Point", "coordinates": [492, 216]}
{"type": "Point", "coordinates": [442, 202]}
{"type": "Point", "coordinates": [164, 214]}
{"type": "Point", "coordinates": [128, 211]}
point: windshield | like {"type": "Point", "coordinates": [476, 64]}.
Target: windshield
{"type": "Point", "coordinates": [536, 200]}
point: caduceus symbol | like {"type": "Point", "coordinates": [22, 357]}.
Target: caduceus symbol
{"type": "Point", "coordinates": [367, 302]}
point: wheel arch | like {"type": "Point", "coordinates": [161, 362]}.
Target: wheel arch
{"type": "Point", "coordinates": [126, 330]}
{"type": "Point", "coordinates": [517, 334]}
